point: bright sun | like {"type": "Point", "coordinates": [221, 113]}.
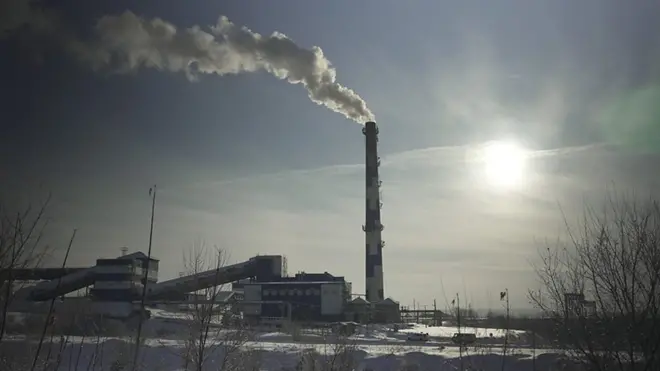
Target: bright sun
{"type": "Point", "coordinates": [504, 163]}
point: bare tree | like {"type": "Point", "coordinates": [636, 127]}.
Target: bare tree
{"type": "Point", "coordinates": [207, 337]}
{"type": "Point", "coordinates": [342, 356]}
{"type": "Point", "coordinates": [20, 247]}
{"type": "Point", "coordinates": [601, 289]}
{"type": "Point", "coordinates": [338, 353]}
{"type": "Point", "coordinates": [51, 309]}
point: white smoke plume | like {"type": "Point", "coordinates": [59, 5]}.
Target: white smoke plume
{"type": "Point", "coordinates": [127, 42]}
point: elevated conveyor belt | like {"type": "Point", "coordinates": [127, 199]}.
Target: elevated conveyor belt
{"type": "Point", "coordinates": [36, 274]}
{"type": "Point", "coordinates": [63, 285]}
{"type": "Point", "coordinates": [203, 280]}
{"type": "Point", "coordinates": [264, 267]}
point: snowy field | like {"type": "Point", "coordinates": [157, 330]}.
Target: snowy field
{"type": "Point", "coordinates": [373, 347]}
{"type": "Point", "coordinates": [165, 355]}
{"type": "Point", "coordinates": [449, 331]}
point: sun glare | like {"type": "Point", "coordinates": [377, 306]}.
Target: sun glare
{"type": "Point", "coordinates": [504, 164]}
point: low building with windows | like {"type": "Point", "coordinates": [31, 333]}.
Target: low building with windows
{"type": "Point", "coordinates": [319, 297]}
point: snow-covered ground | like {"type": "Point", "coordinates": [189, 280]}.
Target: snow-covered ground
{"type": "Point", "coordinates": [449, 331]}
{"type": "Point", "coordinates": [373, 347]}
{"type": "Point", "coordinates": [166, 355]}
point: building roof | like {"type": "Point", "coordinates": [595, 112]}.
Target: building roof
{"type": "Point", "coordinates": [360, 301]}
{"type": "Point", "coordinates": [312, 277]}
{"type": "Point", "coordinates": [137, 255]}
{"type": "Point", "coordinates": [292, 283]}
{"type": "Point", "coordinates": [388, 301]}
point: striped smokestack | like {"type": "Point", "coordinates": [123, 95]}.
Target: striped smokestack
{"type": "Point", "coordinates": [372, 227]}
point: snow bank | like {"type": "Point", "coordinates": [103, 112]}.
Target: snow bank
{"type": "Point", "coordinates": [449, 331]}
{"type": "Point", "coordinates": [166, 356]}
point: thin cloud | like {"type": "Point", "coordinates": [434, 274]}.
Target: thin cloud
{"type": "Point", "coordinates": [441, 214]}
{"type": "Point", "coordinates": [445, 155]}
{"type": "Point", "coordinates": [280, 175]}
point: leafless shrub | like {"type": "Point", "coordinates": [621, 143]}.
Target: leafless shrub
{"type": "Point", "coordinates": [293, 329]}
{"type": "Point", "coordinates": [342, 356]}
{"type": "Point", "coordinates": [614, 261]}
{"type": "Point", "coordinates": [206, 336]}
{"type": "Point", "coordinates": [245, 360]}
{"type": "Point", "coordinates": [125, 356]}
{"type": "Point", "coordinates": [73, 341]}
{"type": "Point", "coordinates": [15, 355]}
{"type": "Point", "coordinates": [20, 247]}
{"type": "Point", "coordinates": [50, 313]}
{"type": "Point", "coordinates": [39, 341]}
{"type": "Point", "coordinates": [338, 354]}
{"type": "Point", "coordinates": [96, 358]}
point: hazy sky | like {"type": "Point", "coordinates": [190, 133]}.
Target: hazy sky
{"type": "Point", "coordinates": [249, 163]}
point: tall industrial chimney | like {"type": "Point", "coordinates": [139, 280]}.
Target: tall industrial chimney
{"type": "Point", "coordinates": [372, 227]}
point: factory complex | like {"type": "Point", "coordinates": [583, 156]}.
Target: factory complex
{"type": "Point", "coordinates": [260, 288]}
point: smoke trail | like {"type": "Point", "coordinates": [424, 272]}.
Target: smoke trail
{"type": "Point", "coordinates": [127, 42]}
{"type": "Point", "coordinates": [25, 15]}
{"type": "Point", "coordinates": [13, 14]}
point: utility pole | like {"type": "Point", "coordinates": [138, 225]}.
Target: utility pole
{"type": "Point", "coordinates": [505, 295]}
{"type": "Point", "coordinates": [458, 321]}
{"type": "Point", "coordinates": [435, 314]}
{"type": "Point", "coordinates": [152, 193]}
{"type": "Point", "coordinates": [533, 349]}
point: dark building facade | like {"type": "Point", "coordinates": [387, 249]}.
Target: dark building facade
{"type": "Point", "coordinates": [304, 297]}
{"type": "Point", "coordinates": [123, 279]}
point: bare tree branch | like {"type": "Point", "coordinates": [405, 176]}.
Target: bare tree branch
{"type": "Point", "coordinates": [52, 304]}
{"type": "Point", "coordinates": [20, 247]}
{"type": "Point", "coordinates": [602, 288]}
{"type": "Point", "coordinates": [207, 334]}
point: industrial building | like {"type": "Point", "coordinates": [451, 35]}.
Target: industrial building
{"type": "Point", "coordinates": [118, 279]}
{"type": "Point", "coordinates": [123, 278]}
{"type": "Point", "coordinates": [117, 285]}
{"type": "Point", "coordinates": [265, 290]}
{"type": "Point", "coordinates": [304, 297]}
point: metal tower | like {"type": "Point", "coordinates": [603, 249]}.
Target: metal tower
{"type": "Point", "coordinates": [372, 227]}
